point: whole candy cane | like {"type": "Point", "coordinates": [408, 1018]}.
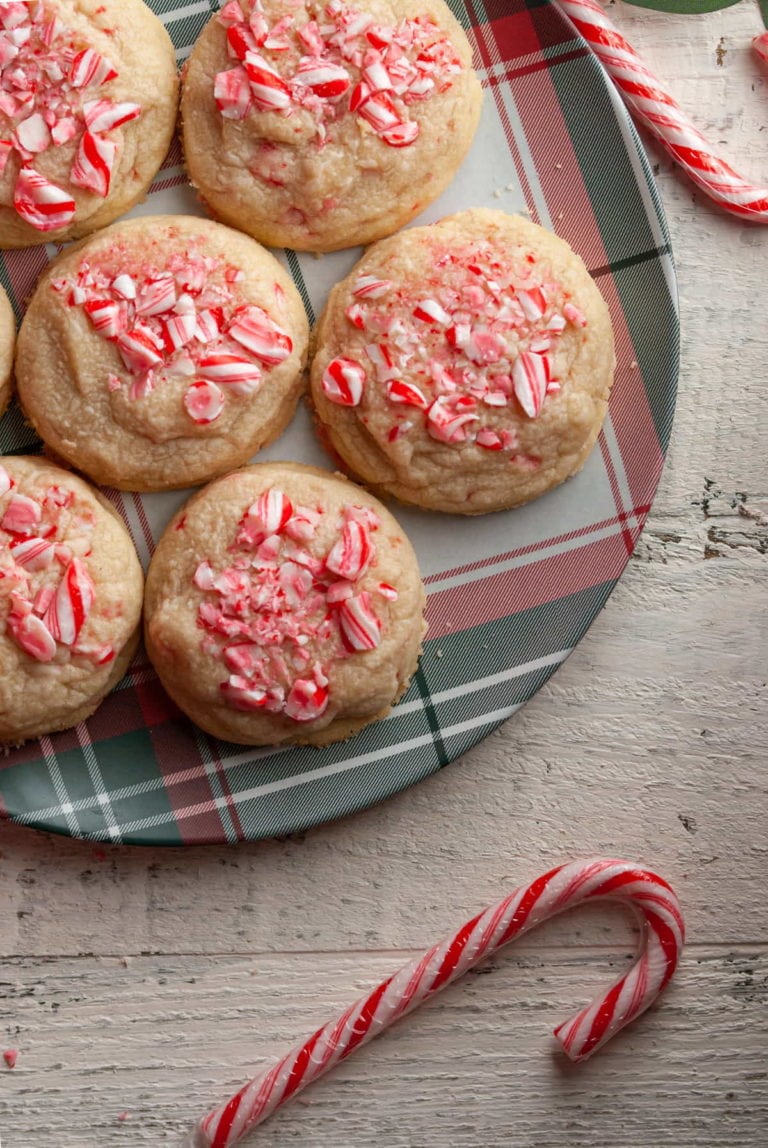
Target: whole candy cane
{"type": "Point", "coordinates": [563, 888]}
{"type": "Point", "coordinates": [658, 112]}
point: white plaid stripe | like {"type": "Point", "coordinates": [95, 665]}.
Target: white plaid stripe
{"type": "Point", "coordinates": [214, 780]}
{"type": "Point", "coordinates": [97, 781]}
{"type": "Point", "coordinates": [66, 806]}
{"type": "Point", "coordinates": [219, 801]}
{"type": "Point", "coordinates": [494, 717]}
{"type": "Point", "coordinates": [563, 546]}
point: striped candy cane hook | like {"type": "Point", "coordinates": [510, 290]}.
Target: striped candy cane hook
{"type": "Point", "coordinates": [654, 108]}
{"type": "Point", "coordinates": [563, 888]}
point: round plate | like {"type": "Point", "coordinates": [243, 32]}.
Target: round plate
{"type": "Point", "coordinates": [510, 594]}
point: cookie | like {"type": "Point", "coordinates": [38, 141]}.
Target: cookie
{"type": "Point", "coordinates": [7, 345]}
{"type": "Point", "coordinates": [161, 352]}
{"type": "Point", "coordinates": [284, 604]}
{"type": "Point", "coordinates": [327, 124]}
{"type": "Point", "coordinates": [70, 599]}
{"type": "Point", "coordinates": [466, 366]}
{"type": "Point", "coordinates": [88, 102]}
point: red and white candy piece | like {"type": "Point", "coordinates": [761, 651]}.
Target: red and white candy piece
{"type": "Point", "coordinates": [344, 382]}
{"type": "Point", "coordinates": [430, 311]}
{"type": "Point", "coordinates": [401, 135]}
{"type": "Point", "coordinates": [33, 554]}
{"type": "Point", "coordinates": [660, 114]}
{"type": "Point", "coordinates": [324, 78]}
{"type": "Point", "coordinates": [108, 316]}
{"type": "Point", "coordinates": [648, 895]}
{"type": "Point", "coordinates": [41, 203]}
{"type": "Point", "coordinates": [269, 91]}
{"type": "Point", "coordinates": [379, 110]}
{"type": "Point", "coordinates": [95, 159]}
{"type": "Point", "coordinates": [203, 401]}
{"type": "Point", "coordinates": [67, 613]}
{"type": "Point", "coordinates": [22, 515]}
{"type": "Point", "coordinates": [104, 115]}
{"type": "Point", "coordinates": [530, 376]}
{"type": "Point", "coordinates": [253, 329]}
{"type": "Point", "coordinates": [399, 391]}
{"type": "Point", "coordinates": [306, 701]}
{"type": "Point", "coordinates": [232, 93]}
{"type": "Point", "coordinates": [90, 69]}
{"type": "Point", "coordinates": [180, 329]}
{"type": "Point", "coordinates": [352, 553]}
{"type": "Point", "coordinates": [360, 628]}
{"type": "Point", "coordinates": [156, 296]}
{"type": "Point", "coordinates": [33, 636]}
{"type": "Point", "coordinates": [139, 350]}
{"type": "Point", "coordinates": [272, 510]}
{"type": "Point", "coordinates": [448, 417]}
{"type": "Point", "coordinates": [760, 47]}
{"type": "Point", "coordinates": [370, 287]}
{"type": "Point", "coordinates": [232, 371]}
{"type": "Point", "coordinates": [32, 134]}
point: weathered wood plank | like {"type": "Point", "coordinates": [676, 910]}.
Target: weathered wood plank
{"type": "Point", "coordinates": [161, 1039]}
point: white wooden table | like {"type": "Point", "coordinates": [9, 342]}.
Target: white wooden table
{"type": "Point", "coordinates": [145, 984]}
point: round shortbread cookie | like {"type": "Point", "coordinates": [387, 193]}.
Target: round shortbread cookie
{"type": "Point", "coordinates": [7, 347]}
{"type": "Point", "coordinates": [162, 352]}
{"type": "Point", "coordinates": [284, 604]}
{"type": "Point", "coordinates": [329, 126]}
{"type": "Point", "coordinates": [70, 599]}
{"type": "Point", "coordinates": [88, 103]}
{"type": "Point", "coordinates": [466, 366]}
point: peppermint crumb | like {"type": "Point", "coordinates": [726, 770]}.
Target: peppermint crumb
{"type": "Point", "coordinates": [559, 166]}
{"type": "Point", "coordinates": [633, 365]}
{"type": "Point", "coordinates": [10, 1056]}
{"type": "Point", "coordinates": [439, 654]}
{"type": "Point", "coordinates": [123, 1116]}
{"type": "Point", "coordinates": [560, 216]}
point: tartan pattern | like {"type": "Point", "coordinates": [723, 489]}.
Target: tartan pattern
{"type": "Point", "coordinates": [506, 614]}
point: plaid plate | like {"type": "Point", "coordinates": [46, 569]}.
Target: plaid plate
{"type": "Point", "coordinates": [509, 594]}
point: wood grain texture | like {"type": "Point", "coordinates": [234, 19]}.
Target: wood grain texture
{"type": "Point", "coordinates": [151, 982]}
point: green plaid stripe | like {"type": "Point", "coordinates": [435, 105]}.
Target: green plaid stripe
{"type": "Point", "coordinates": [137, 772]}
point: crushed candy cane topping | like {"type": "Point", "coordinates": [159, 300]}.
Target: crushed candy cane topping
{"type": "Point", "coordinates": [51, 85]}
{"type": "Point", "coordinates": [46, 592]}
{"type": "Point", "coordinates": [467, 354]}
{"type": "Point", "coordinates": [331, 60]}
{"type": "Point", "coordinates": [181, 320]}
{"type": "Point", "coordinates": [287, 606]}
